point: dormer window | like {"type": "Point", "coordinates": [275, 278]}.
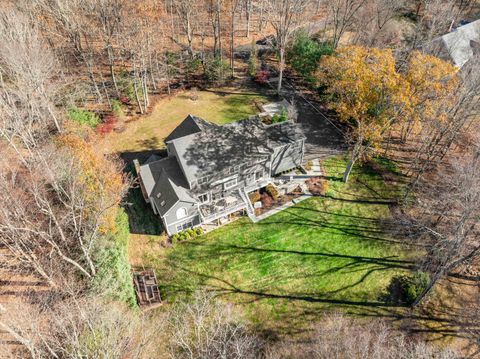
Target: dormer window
{"type": "Point", "coordinates": [162, 203]}
{"type": "Point", "coordinates": [159, 194]}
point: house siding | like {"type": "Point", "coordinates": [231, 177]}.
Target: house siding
{"type": "Point", "coordinates": [170, 219]}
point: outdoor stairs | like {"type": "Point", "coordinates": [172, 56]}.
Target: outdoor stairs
{"type": "Point", "coordinates": [250, 210]}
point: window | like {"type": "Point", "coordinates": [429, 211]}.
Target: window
{"type": "Point", "coordinates": [183, 226]}
{"type": "Point", "coordinates": [181, 213]}
{"type": "Point", "coordinates": [258, 175]}
{"type": "Point", "coordinates": [230, 184]}
{"type": "Point", "coordinates": [159, 194]}
{"type": "Point", "coordinates": [251, 177]}
{"type": "Point", "coordinates": [162, 203]}
{"type": "Point", "coordinates": [203, 197]}
{"type": "Point", "coordinates": [202, 180]}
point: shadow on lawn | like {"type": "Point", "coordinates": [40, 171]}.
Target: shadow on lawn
{"type": "Point", "coordinates": [141, 218]}
{"type": "Point", "coordinates": [371, 231]}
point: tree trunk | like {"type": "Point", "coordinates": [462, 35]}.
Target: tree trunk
{"type": "Point", "coordinates": [219, 29]}
{"type": "Point", "coordinates": [282, 65]}
{"type": "Point", "coordinates": [112, 71]}
{"type": "Point", "coordinates": [353, 159]}
{"type": "Point", "coordinates": [232, 34]}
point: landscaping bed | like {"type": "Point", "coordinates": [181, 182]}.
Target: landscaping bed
{"type": "Point", "coordinates": [269, 198]}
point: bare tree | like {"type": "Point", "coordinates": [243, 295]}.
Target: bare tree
{"type": "Point", "coordinates": [80, 327]}
{"type": "Point", "coordinates": [447, 216]}
{"type": "Point", "coordinates": [339, 337]}
{"type": "Point", "coordinates": [187, 12]}
{"type": "Point", "coordinates": [208, 329]}
{"type": "Point", "coordinates": [341, 16]}
{"type": "Point", "coordinates": [50, 218]}
{"type": "Point", "coordinates": [27, 67]}
{"type": "Point", "coordinates": [285, 16]}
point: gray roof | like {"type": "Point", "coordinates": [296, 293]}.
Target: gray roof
{"type": "Point", "coordinates": [459, 45]}
{"type": "Point", "coordinates": [215, 148]}
{"type": "Point", "coordinates": [165, 183]}
{"type": "Point", "coordinates": [191, 124]}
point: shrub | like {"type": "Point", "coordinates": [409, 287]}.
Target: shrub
{"type": "Point", "coordinates": [117, 109]}
{"type": "Point", "coordinates": [272, 191]}
{"type": "Point", "coordinates": [252, 62]}
{"type": "Point", "coordinates": [127, 89]}
{"type": "Point", "coordinates": [83, 117]}
{"type": "Point", "coordinates": [104, 128]}
{"type": "Point", "coordinates": [267, 201]}
{"type": "Point", "coordinates": [406, 288]}
{"type": "Point", "coordinates": [305, 53]}
{"type": "Point", "coordinates": [114, 279]}
{"type": "Point", "coordinates": [261, 77]}
{"type": "Point", "coordinates": [280, 118]}
{"type": "Point", "coordinates": [215, 70]}
{"type": "Point", "coordinates": [254, 197]}
{"type": "Point", "coordinates": [187, 234]}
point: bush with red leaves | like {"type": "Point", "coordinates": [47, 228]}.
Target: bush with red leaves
{"type": "Point", "coordinates": [125, 100]}
{"type": "Point", "coordinates": [110, 119]}
{"type": "Point", "coordinates": [104, 128]}
{"type": "Point", "coordinates": [261, 77]}
{"type": "Point", "coordinates": [266, 200]}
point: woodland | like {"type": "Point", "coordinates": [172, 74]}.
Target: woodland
{"type": "Point", "coordinates": [384, 263]}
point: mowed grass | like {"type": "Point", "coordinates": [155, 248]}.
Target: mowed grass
{"type": "Point", "coordinates": [147, 133]}
{"type": "Point", "coordinates": [323, 252]}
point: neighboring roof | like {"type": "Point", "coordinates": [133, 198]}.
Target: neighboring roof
{"type": "Point", "coordinates": [190, 125]}
{"type": "Point", "coordinates": [459, 45]}
{"type": "Point", "coordinates": [165, 183]}
{"type": "Point", "coordinates": [215, 148]}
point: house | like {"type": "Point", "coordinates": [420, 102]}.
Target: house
{"type": "Point", "coordinates": [210, 169]}
{"type": "Point", "coordinates": [460, 46]}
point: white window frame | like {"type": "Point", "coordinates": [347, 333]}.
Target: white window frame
{"type": "Point", "coordinates": [204, 194]}
{"type": "Point", "coordinates": [251, 177]}
{"type": "Point", "coordinates": [184, 215]}
{"type": "Point", "coordinates": [185, 225]}
{"type": "Point", "coordinates": [228, 184]}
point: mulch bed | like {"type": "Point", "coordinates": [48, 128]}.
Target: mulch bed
{"type": "Point", "coordinates": [268, 203]}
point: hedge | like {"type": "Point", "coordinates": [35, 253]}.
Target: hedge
{"type": "Point", "coordinates": [114, 276]}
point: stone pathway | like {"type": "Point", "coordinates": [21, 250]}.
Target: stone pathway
{"type": "Point", "coordinates": [316, 169]}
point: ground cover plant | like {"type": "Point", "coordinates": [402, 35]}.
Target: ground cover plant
{"type": "Point", "coordinates": [323, 251]}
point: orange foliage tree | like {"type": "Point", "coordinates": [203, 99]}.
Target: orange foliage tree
{"type": "Point", "coordinates": [367, 92]}
{"type": "Point", "coordinates": [432, 84]}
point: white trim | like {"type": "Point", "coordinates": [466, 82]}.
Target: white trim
{"type": "Point", "coordinates": [184, 213]}
{"type": "Point", "coordinates": [190, 225]}
{"type": "Point", "coordinates": [223, 180]}
{"type": "Point", "coordinates": [173, 205]}
{"type": "Point", "coordinates": [182, 220]}
{"type": "Point", "coordinates": [225, 187]}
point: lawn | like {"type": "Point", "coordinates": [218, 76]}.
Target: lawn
{"type": "Point", "coordinates": [323, 252]}
{"type": "Point", "coordinates": [147, 133]}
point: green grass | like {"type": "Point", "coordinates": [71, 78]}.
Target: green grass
{"type": "Point", "coordinates": [148, 132]}
{"type": "Point", "coordinates": [323, 252]}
